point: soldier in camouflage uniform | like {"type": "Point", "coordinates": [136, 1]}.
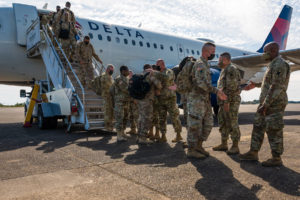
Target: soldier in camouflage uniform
{"type": "Point", "coordinates": [85, 52]}
{"type": "Point", "coordinates": [106, 82]}
{"type": "Point", "coordinates": [200, 117]}
{"type": "Point", "coordinates": [229, 82]}
{"type": "Point", "coordinates": [145, 105]}
{"type": "Point", "coordinates": [65, 20]}
{"type": "Point", "coordinates": [122, 100]}
{"type": "Point", "coordinates": [273, 100]}
{"type": "Point", "coordinates": [133, 112]}
{"type": "Point", "coordinates": [53, 19]}
{"type": "Point", "coordinates": [167, 104]}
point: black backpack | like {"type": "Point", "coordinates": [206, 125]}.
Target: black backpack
{"type": "Point", "coordinates": [138, 86]}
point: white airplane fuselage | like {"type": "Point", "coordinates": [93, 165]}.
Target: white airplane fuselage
{"type": "Point", "coordinates": [115, 44]}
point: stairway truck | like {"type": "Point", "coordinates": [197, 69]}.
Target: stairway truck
{"type": "Point", "coordinates": [51, 106]}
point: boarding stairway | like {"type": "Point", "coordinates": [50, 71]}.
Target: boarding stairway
{"type": "Point", "coordinates": [63, 75]}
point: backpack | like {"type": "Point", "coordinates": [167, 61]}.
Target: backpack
{"type": "Point", "coordinates": [64, 33]}
{"type": "Point", "coordinates": [138, 86]}
{"type": "Point", "coordinates": [184, 80]}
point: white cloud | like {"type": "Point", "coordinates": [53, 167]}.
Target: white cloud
{"type": "Point", "coordinates": [243, 24]}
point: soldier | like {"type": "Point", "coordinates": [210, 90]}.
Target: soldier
{"type": "Point", "coordinates": [64, 24]}
{"type": "Point", "coordinates": [133, 112]}
{"type": "Point", "coordinates": [146, 105]}
{"type": "Point", "coordinates": [106, 82]}
{"type": "Point", "coordinates": [155, 117]}
{"type": "Point", "coordinates": [167, 104]}
{"type": "Point", "coordinates": [53, 19]}
{"type": "Point", "coordinates": [122, 100]}
{"type": "Point", "coordinates": [273, 100]}
{"type": "Point", "coordinates": [85, 52]}
{"type": "Point", "coordinates": [66, 34]}
{"type": "Point", "coordinates": [200, 117]}
{"type": "Point", "coordinates": [229, 82]}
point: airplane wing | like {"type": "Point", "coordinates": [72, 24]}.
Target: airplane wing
{"type": "Point", "coordinates": [253, 65]}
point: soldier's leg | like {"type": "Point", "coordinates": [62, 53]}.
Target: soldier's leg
{"type": "Point", "coordinates": [274, 126]}
{"type": "Point", "coordinates": [65, 44]}
{"type": "Point", "coordinates": [145, 108]}
{"type": "Point", "coordinates": [235, 129]}
{"type": "Point", "coordinates": [73, 48]}
{"type": "Point", "coordinates": [119, 114]}
{"type": "Point", "coordinates": [108, 113]}
{"type": "Point", "coordinates": [82, 75]}
{"type": "Point", "coordinates": [163, 120]}
{"type": "Point", "coordinates": [174, 114]}
{"type": "Point", "coordinates": [222, 129]}
{"type": "Point", "coordinates": [89, 74]}
{"type": "Point", "coordinates": [257, 137]}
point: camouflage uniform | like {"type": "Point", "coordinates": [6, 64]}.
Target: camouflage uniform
{"type": "Point", "coordinates": [229, 81]}
{"type": "Point", "coordinates": [155, 121]}
{"type": "Point", "coordinates": [65, 20]}
{"type": "Point", "coordinates": [122, 100]}
{"type": "Point", "coordinates": [133, 114]}
{"type": "Point", "coordinates": [200, 117]}
{"type": "Point", "coordinates": [145, 106]}
{"type": "Point", "coordinates": [85, 54]}
{"type": "Point", "coordinates": [167, 103]}
{"type": "Point", "coordinates": [183, 100]}
{"type": "Point", "coordinates": [106, 82]}
{"type": "Point", "coordinates": [274, 97]}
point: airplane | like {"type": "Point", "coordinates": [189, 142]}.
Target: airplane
{"type": "Point", "coordinates": [123, 45]}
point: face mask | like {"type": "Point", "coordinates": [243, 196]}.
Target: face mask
{"type": "Point", "coordinates": [266, 56]}
{"type": "Point", "coordinates": [211, 56]}
{"type": "Point", "coordinates": [67, 8]}
{"type": "Point", "coordinates": [110, 72]}
{"type": "Point", "coordinates": [86, 42]}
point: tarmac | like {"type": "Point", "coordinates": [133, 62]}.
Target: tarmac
{"type": "Point", "coordinates": [52, 164]}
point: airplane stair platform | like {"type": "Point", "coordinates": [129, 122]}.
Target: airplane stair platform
{"type": "Point", "coordinates": [83, 106]}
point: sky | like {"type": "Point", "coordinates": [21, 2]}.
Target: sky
{"type": "Point", "coordinates": [242, 24]}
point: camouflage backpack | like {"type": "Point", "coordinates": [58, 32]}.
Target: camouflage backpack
{"type": "Point", "coordinates": [184, 79]}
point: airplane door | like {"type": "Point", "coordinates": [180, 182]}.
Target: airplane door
{"type": "Point", "coordinates": [180, 51]}
{"type": "Point", "coordinates": [25, 15]}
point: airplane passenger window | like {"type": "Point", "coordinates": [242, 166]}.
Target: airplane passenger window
{"type": "Point", "coordinates": [180, 49]}
{"type": "Point", "coordinates": [141, 43]}
{"type": "Point", "coordinates": [148, 44]}
{"type": "Point", "coordinates": [125, 41]}
{"type": "Point", "coordinates": [108, 38]}
{"type": "Point", "coordinates": [155, 45]}
{"type": "Point", "coordinates": [161, 47]}
{"type": "Point", "coordinates": [117, 40]}
{"type": "Point", "coordinates": [99, 37]}
{"type": "Point", "coordinates": [133, 42]}
{"type": "Point", "coordinates": [171, 48]}
{"type": "Point", "coordinates": [198, 53]}
{"type": "Point", "coordinates": [193, 52]}
{"type": "Point", "coordinates": [187, 51]}
{"type": "Point", "coordinates": [91, 35]}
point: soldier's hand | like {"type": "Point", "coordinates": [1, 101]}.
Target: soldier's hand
{"type": "Point", "coordinates": [226, 107]}
{"type": "Point", "coordinates": [222, 96]}
{"type": "Point", "coordinates": [250, 86]}
{"type": "Point", "coordinates": [173, 87]}
{"type": "Point", "coordinates": [262, 110]}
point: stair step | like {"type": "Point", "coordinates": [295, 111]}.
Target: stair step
{"type": "Point", "coordinates": [94, 101]}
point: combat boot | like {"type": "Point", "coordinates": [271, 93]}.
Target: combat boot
{"type": "Point", "coordinates": [272, 162]}
{"type": "Point", "coordinates": [222, 147]}
{"type": "Point", "coordinates": [250, 155]}
{"type": "Point", "coordinates": [163, 138]}
{"type": "Point", "coordinates": [156, 136]}
{"type": "Point", "coordinates": [178, 138]}
{"type": "Point", "coordinates": [144, 140]}
{"type": "Point", "coordinates": [234, 148]}
{"type": "Point", "coordinates": [150, 135]}
{"type": "Point", "coordinates": [200, 148]}
{"type": "Point", "coordinates": [120, 137]}
{"type": "Point", "coordinates": [192, 153]}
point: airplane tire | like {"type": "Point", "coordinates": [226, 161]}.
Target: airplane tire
{"type": "Point", "coordinates": [43, 123]}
